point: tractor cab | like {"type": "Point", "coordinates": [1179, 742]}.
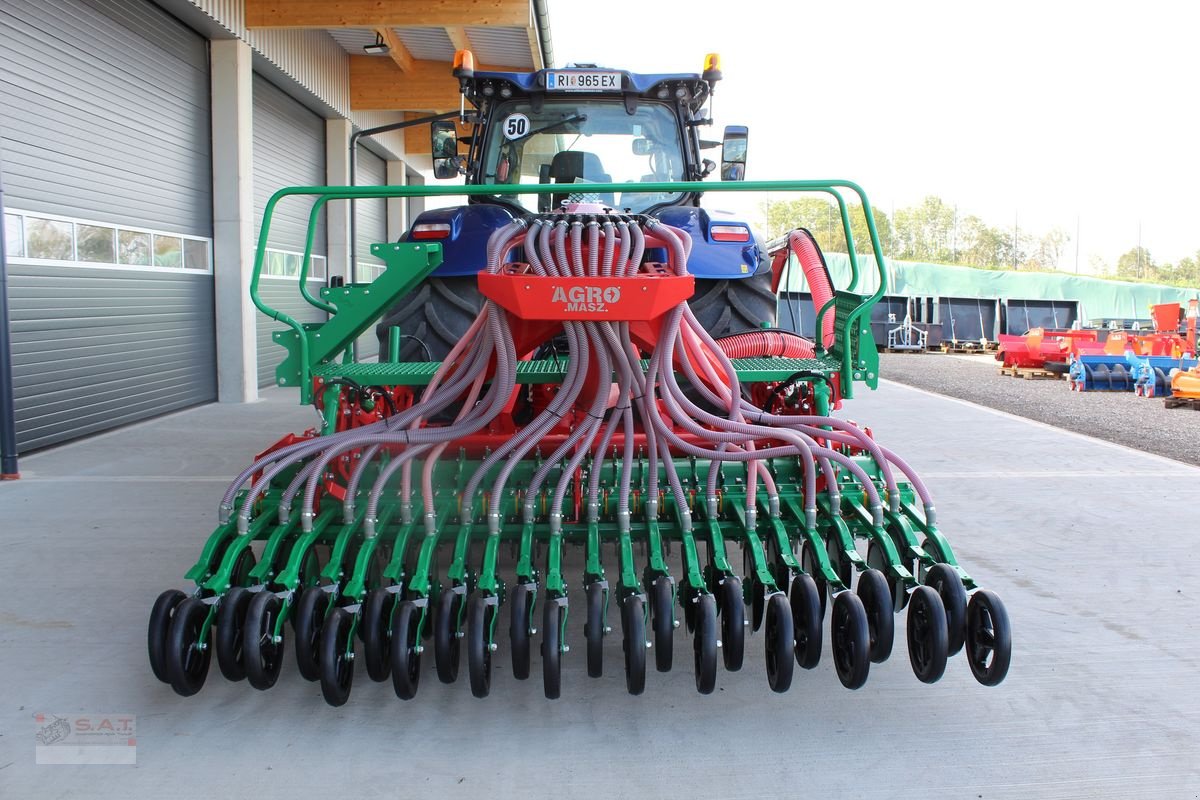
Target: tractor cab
{"type": "Point", "coordinates": [584, 125]}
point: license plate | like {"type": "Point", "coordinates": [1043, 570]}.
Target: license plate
{"type": "Point", "coordinates": [583, 81]}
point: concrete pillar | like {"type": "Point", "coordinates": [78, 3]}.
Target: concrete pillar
{"type": "Point", "coordinates": [397, 209]}
{"type": "Point", "coordinates": [337, 213]}
{"type": "Point", "coordinates": [234, 226]}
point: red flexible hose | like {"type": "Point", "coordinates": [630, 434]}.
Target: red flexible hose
{"type": "Point", "coordinates": [759, 344]}
{"type": "Point", "coordinates": [805, 249]}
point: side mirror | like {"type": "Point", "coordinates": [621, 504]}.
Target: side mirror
{"type": "Point", "coordinates": [642, 147]}
{"type": "Point", "coordinates": [444, 147]}
{"type": "Point", "coordinates": [733, 153]}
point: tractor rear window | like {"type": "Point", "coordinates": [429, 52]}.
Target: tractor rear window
{"type": "Point", "coordinates": [580, 141]}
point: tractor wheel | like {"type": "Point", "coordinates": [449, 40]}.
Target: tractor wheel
{"type": "Point", "coordinates": [725, 307]}
{"type": "Point", "coordinates": [437, 315]}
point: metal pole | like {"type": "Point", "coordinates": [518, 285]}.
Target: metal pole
{"type": "Point", "coordinates": [354, 137]}
{"type": "Point", "coordinates": [8, 424]}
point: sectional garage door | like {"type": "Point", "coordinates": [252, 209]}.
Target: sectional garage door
{"type": "Point", "coordinates": [105, 147]}
{"type": "Point", "coordinates": [289, 150]}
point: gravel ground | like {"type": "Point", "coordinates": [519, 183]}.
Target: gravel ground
{"type": "Point", "coordinates": [1140, 423]}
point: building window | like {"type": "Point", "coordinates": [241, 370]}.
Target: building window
{"type": "Point", "coordinates": [195, 254]}
{"type": "Point", "coordinates": [77, 242]}
{"type": "Point", "coordinates": [168, 251]}
{"type": "Point", "coordinates": [48, 238]}
{"type": "Point", "coordinates": [14, 236]}
{"type": "Point", "coordinates": [96, 243]}
{"type": "Point", "coordinates": [286, 264]}
{"type": "Point", "coordinates": [135, 248]}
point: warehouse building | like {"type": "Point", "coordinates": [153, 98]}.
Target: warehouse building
{"type": "Point", "coordinates": [139, 144]}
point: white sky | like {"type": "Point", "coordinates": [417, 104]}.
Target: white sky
{"type": "Point", "coordinates": [1046, 112]}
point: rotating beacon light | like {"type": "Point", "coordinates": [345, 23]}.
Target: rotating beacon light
{"type": "Point", "coordinates": [464, 70]}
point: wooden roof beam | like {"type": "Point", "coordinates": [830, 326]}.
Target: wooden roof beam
{"type": "Point", "coordinates": [378, 84]}
{"type": "Point", "coordinates": [389, 14]}
{"type": "Point", "coordinates": [396, 49]}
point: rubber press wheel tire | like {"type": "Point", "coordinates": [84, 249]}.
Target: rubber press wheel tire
{"type": "Point", "coordinates": [725, 307]}
{"type": "Point", "coordinates": [160, 625]}
{"type": "Point", "coordinates": [373, 627]}
{"type": "Point", "coordinates": [593, 630]}
{"type": "Point", "coordinates": [662, 607]}
{"type": "Point", "coordinates": [437, 313]}
{"type": "Point", "coordinates": [261, 654]}
{"type": "Point", "coordinates": [480, 614]}
{"type": "Point", "coordinates": [810, 564]}
{"type": "Point", "coordinates": [187, 659]}
{"type": "Point", "coordinates": [806, 619]}
{"type": "Point", "coordinates": [445, 636]}
{"type": "Point", "coordinates": [876, 598]}
{"type": "Point", "coordinates": [518, 630]}
{"type": "Point", "coordinates": [310, 615]}
{"type": "Point", "coordinates": [405, 651]}
{"type": "Point", "coordinates": [704, 644]}
{"type": "Point", "coordinates": [231, 620]}
{"type": "Point", "coordinates": [779, 632]}
{"type": "Point", "coordinates": [945, 581]}
{"type": "Point", "coordinates": [733, 623]}
{"type": "Point", "coordinates": [989, 638]}
{"type": "Point", "coordinates": [337, 657]}
{"type": "Point", "coordinates": [927, 639]}
{"type": "Point", "coordinates": [633, 631]}
{"type": "Point", "coordinates": [877, 559]}
{"type": "Point", "coordinates": [552, 650]}
{"type": "Point", "coordinates": [850, 640]}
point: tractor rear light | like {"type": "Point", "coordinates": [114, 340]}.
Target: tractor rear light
{"type": "Point", "coordinates": [435, 230]}
{"type": "Point", "coordinates": [729, 233]}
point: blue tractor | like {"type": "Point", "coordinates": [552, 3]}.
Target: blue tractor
{"type": "Point", "coordinates": [578, 126]}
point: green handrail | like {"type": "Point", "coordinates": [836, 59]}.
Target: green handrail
{"type": "Point", "coordinates": [325, 194]}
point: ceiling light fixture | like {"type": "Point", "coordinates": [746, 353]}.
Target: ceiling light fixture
{"type": "Point", "coordinates": [380, 48]}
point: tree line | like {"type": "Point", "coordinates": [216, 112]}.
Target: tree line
{"type": "Point", "coordinates": [935, 231]}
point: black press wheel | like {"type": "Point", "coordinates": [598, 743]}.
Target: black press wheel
{"type": "Point", "coordinates": [876, 598]}
{"type": "Point", "coordinates": [662, 605]}
{"type": "Point", "coordinates": [733, 623]}
{"type": "Point", "coordinates": [518, 630]}
{"type": "Point", "coordinates": [231, 618]}
{"type": "Point", "coordinates": [552, 649]}
{"type": "Point", "coordinates": [989, 638]}
{"type": "Point", "coordinates": [877, 559]}
{"type": "Point", "coordinates": [850, 640]}
{"type": "Point", "coordinates": [945, 581]}
{"type": "Point", "coordinates": [310, 614]}
{"type": "Point", "coordinates": [779, 632]}
{"type": "Point", "coordinates": [261, 654]}
{"type": "Point", "coordinates": [337, 657]}
{"type": "Point", "coordinates": [445, 635]}
{"type": "Point", "coordinates": [633, 630]}
{"type": "Point", "coordinates": [373, 630]}
{"type": "Point", "coordinates": [187, 655]}
{"type": "Point", "coordinates": [593, 630]}
{"type": "Point", "coordinates": [927, 639]}
{"type": "Point", "coordinates": [160, 625]}
{"type": "Point", "coordinates": [806, 618]}
{"type": "Point", "coordinates": [809, 563]}
{"type": "Point", "coordinates": [480, 616]}
{"type": "Point", "coordinates": [704, 643]}
{"type": "Point", "coordinates": [406, 650]}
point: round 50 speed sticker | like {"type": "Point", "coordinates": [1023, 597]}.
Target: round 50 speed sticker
{"type": "Point", "coordinates": [515, 126]}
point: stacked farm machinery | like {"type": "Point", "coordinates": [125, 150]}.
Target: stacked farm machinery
{"type": "Point", "coordinates": [597, 402]}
